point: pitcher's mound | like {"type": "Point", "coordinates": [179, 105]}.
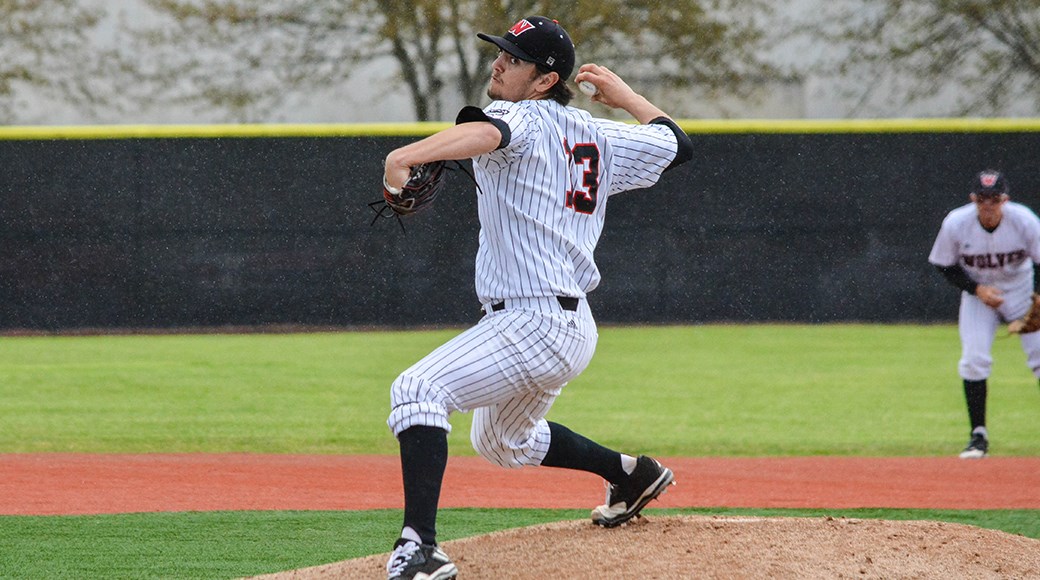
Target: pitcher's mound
{"type": "Point", "coordinates": [727, 547]}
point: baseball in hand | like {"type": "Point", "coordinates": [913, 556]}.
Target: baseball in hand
{"type": "Point", "coordinates": [588, 88]}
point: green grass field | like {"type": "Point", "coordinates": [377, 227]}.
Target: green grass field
{"type": "Point", "coordinates": [712, 390]}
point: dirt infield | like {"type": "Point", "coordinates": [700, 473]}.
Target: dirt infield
{"type": "Point", "coordinates": [726, 548]}
{"type": "Point", "coordinates": [54, 484]}
{"type": "Point", "coordinates": [652, 547]}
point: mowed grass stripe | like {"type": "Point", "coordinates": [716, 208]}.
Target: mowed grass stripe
{"type": "Point", "coordinates": [843, 389]}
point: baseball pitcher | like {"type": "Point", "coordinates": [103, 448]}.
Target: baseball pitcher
{"type": "Point", "coordinates": [545, 172]}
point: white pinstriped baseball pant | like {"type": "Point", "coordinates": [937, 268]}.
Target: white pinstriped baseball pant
{"type": "Point", "coordinates": [508, 370]}
{"type": "Point", "coordinates": [978, 323]}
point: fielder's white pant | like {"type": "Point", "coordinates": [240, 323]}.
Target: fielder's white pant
{"type": "Point", "coordinates": [508, 369]}
{"type": "Point", "coordinates": [978, 326]}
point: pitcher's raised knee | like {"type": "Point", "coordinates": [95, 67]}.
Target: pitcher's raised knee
{"type": "Point", "coordinates": [501, 455]}
{"type": "Point", "coordinates": [504, 453]}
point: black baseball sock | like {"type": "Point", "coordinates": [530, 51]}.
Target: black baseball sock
{"type": "Point", "coordinates": [424, 455]}
{"type": "Point", "coordinates": [570, 450]}
{"type": "Point", "coordinates": [975, 394]}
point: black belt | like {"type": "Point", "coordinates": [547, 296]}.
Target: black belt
{"type": "Point", "coordinates": [566, 302]}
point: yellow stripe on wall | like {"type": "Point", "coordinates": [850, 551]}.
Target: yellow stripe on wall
{"type": "Point", "coordinates": [694, 126]}
{"type": "Point", "coordinates": [217, 131]}
{"type": "Point", "coordinates": [950, 125]}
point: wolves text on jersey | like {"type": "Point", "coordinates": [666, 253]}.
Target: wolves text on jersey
{"type": "Point", "coordinates": [985, 261]}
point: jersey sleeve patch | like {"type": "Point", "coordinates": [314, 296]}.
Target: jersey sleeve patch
{"type": "Point", "coordinates": [471, 114]}
{"type": "Point", "coordinates": [517, 129]}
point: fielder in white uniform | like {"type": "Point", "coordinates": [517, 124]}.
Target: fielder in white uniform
{"type": "Point", "coordinates": [989, 249]}
{"type": "Point", "coordinates": [545, 172]}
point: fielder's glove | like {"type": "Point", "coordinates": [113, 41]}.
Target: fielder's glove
{"type": "Point", "coordinates": [424, 183]}
{"type": "Point", "coordinates": [1030, 322]}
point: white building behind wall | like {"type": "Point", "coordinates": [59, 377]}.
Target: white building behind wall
{"type": "Point", "coordinates": [375, 94]}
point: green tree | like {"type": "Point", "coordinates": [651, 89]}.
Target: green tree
{"type": "Point", "coordinates": [43, 47]}
{"type": "Point", "coordinates": [245, 57]}
{"type": "Point", "coordinates": [709, 44]}
{"type": "Point", "coordinates": [984, 52]}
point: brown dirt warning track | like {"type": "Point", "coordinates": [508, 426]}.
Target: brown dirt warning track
{"type": "Point", "coordinates": [653, 546]}
{"type": "Point", "coordinates": [58, 484]}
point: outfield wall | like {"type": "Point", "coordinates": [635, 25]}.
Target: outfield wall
{"type": "Point", "coordinates": [171, 226]}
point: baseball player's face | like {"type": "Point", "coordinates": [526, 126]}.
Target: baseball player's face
{"type": "Point", "coordinates": [512, 79]}
{"type": "Point", "coordinates": [990, 208]}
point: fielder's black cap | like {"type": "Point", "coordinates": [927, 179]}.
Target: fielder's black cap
{"type": "Point", "coordinates": [990, 183]}
{"type": "Point", "coordinates": [539, 40]}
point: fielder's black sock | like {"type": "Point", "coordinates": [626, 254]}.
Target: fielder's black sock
{"type": "Point", "coordinates": [424, 455]}
{"type": "Point", "coordinates": [975, 394]}
{"type": "Point", "coordinates": [570, 450]}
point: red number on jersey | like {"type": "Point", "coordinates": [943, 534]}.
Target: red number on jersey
{"type": "Point", "coordinates": [584, 200]}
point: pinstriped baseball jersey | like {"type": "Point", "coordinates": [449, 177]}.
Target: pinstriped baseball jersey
{"type": "Point", "coordinates": [541, 200]}
{"type": "Point", "coordinates": [1003, 258]}
{"type": "Point", "coordinates": [543, 195]}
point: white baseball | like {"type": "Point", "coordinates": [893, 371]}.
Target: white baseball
{"type": "Point", "coordinates": [588, 88]}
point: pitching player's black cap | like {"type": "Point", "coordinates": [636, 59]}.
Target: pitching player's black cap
{"type": "Point", "coordinates": [990, 183]}
{"type": "Point", "coordinates": [539, 40]}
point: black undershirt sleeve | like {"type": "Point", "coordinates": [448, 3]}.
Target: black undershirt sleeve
{"type": "Point", "coordinates": [956, 275]}
{"type": "Point", "coordinates": [470, 114]}
{"type": "Point", "coordinates": [684, 150]}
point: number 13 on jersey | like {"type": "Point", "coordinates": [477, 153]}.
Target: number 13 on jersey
{"type": "Point", "coordinates": [586, 157]}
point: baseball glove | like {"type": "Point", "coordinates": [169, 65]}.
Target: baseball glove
{"type": "Point", "coordinates": [1030, 322]}
{"type": "Point", "coordinates": [424, 183]}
